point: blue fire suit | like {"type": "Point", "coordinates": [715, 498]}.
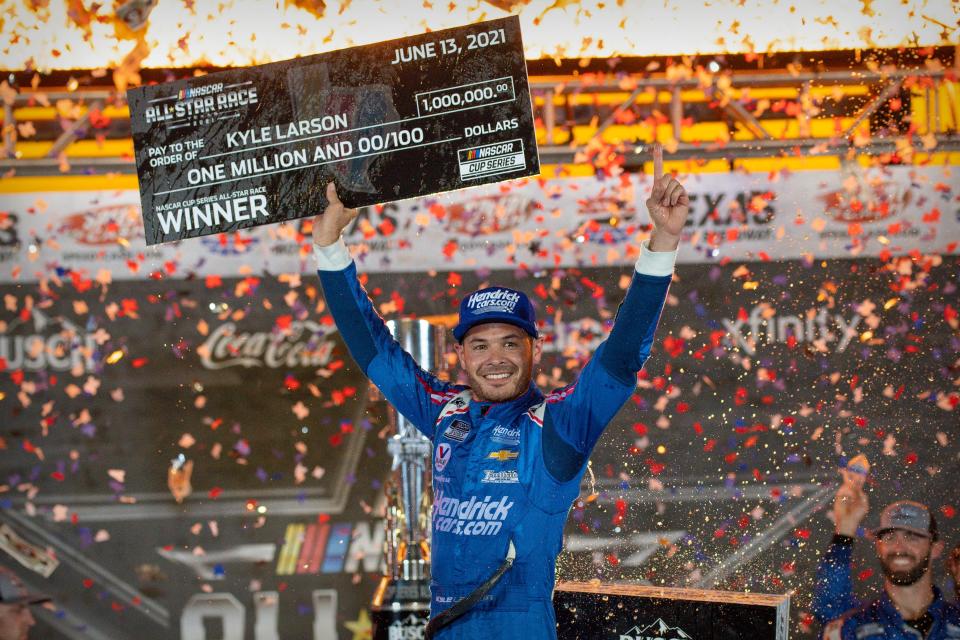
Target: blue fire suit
{"type": "Point", "coordinates": [880, 619]}
{"type": "Point", "coordinates": [833, 589]}
{"type": "Point", "coordinates": [501, 470]}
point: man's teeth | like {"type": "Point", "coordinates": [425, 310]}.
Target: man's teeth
{"type": "Point", "coordinates": [496, 376]}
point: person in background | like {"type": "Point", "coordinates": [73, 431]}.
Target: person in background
{"type": "Point", "coordinates": [911, 606]}
{"type": "Point", "coordinates": [16, 619]}
{"type": "Point", "coordinates": [833, 592]}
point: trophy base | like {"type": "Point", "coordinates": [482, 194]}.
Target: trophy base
{"type": "Point", "coordinates": [638, 612]}
{"type": "Point", "coordinates": [400, 609]}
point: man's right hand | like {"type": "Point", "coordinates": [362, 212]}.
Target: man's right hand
{"type": "Point", "coordinates": [850, 507]}
{"type": "Point", "coordinates": [328, 226]}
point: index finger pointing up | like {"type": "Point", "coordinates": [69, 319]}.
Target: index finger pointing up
{"type": "Point", "coordinates": [332, 196]}
{"type": "Point", "coordinates": [657, 162]}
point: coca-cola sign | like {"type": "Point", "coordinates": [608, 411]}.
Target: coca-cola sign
{"type": "Point", "coordinates": [303, 344]}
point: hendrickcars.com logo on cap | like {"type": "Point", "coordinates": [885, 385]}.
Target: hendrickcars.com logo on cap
{"type": "Point", "coordinates": [496, 304]}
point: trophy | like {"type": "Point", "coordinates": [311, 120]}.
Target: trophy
{"type": "Point", "coordinates": [401, 603]}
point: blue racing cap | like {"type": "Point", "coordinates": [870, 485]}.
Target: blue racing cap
{"type": "Point", "coordinates": [496, 304]}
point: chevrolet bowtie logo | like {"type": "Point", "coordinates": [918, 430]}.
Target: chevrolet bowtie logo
{"type": "Point", "coordinates": [503, 455]}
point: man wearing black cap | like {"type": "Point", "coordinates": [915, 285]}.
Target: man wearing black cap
{"type": "Point", "coordinates": [911, 605]}
{"type": "Point", "coordinates": [16, 618]}
{"type": "Point", "coordinates": [507, 459]}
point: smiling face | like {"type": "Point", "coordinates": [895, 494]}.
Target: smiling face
{"type": "Point", "coordinates": [904, 555]}
{"type": "Point", "coordinates": [498, 359]}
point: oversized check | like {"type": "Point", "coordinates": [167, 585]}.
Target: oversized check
{"type": "Point", "coordinates": [393, 120]}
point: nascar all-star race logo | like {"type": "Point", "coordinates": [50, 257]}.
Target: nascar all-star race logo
{"type": "Point", "coordinates": [192, 106]}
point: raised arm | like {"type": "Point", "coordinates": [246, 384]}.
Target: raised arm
{"type": "Point", "coordinates": [415, 393]}
{"type": "Point", "coordinates": [833, 589]}
{"type": "Point", "coordinates": [576, 416]}
{"type": "Point", "coordinates": [632, 334]}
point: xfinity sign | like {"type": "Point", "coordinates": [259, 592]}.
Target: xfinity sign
{"type": "Point", "coordinates": [764, 323]}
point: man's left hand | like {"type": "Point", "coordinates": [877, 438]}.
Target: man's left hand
{"type": "Point", "coordinates": [668, 205]}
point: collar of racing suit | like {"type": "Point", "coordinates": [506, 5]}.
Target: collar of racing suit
{"type": "Point", "coordinates": [935, 609]}
{"type": "Point", "coordinates": [508, 408]}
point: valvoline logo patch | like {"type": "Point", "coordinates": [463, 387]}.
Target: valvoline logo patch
{"type": "Point", "coordinates": [441, 456]}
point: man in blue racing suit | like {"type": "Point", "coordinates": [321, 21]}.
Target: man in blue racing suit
{"type": "Point", "coordinates": [911, 607]}
{"type": "Point", "coordinates": [508, 459]}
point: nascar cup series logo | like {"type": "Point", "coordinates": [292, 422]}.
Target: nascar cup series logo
{"type": "Point", "coordinates": [498, 300]}
{"type": "Point", "coordinates": [491, 159]}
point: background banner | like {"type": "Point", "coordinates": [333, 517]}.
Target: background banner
{"type": "Point", "coordinates": [527, 223]}
{"type": "Point", "coordinates": [718, 473]}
